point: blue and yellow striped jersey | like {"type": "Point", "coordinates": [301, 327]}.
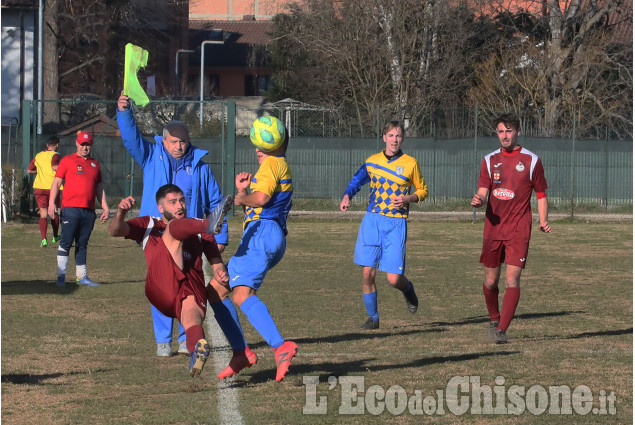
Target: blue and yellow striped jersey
{"type": "Point", "coordinates": [388, 178]}
{"type": "Point", "coordinates": [274, 179]}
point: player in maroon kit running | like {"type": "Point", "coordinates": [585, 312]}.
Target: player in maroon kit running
{"type": "Point", "coordinates": [175, 284]}
{"type": "Point", "coordinates": [508, 176]}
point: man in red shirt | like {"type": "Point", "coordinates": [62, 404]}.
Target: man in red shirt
{"type": "Point", "coordinates": [175, 283]}
{"type": "Point", "coordinates": [81, 176]}
{"type": "Point", "coordinates": [508, 177]}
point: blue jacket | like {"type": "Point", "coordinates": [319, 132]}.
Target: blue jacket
{"type": "Point", "coordinates": [157, 171]}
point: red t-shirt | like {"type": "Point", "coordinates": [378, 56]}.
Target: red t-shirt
{"type": "Point", "coordinates": [510, 178]}
{"type": "Point", "coordinates": [81, 177]}
{"type": "Point", "coordinates": [166, 283]}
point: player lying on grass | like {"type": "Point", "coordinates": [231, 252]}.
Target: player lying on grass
{"type": "Point", "coordinates": [175, 284]}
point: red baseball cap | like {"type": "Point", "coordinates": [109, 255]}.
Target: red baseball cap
{"type": "Point", "coordinates": [84, 137]}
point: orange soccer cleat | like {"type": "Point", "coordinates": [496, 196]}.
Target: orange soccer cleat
{"type": "Point", "coordinates": [239, 361]}
{"type": "Point", "coordinates": [284, 354]}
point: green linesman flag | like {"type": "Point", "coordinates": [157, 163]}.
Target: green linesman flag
{"type": "Point", "coordinates": [136, 58]}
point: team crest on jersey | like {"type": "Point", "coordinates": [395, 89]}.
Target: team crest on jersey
{"type": "Point", "coordinates": [188, 170]}
{"type": "Point", "coordinates": [520, 167]}
{"type": "Point", "coordinates": [497, 175]}
{"type": "Point", "coordinates": [503, 194]}
{"type": "Point", "coordinates": [93, 164]}
{"type": "Point", "coordinates": [399, 170]}
{"type": "Point", "coordinates": [187, 255]}
{"type": "Point", "coordinates": [79, 169]}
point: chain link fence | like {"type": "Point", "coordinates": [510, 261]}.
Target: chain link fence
{"type": "Point", "coordinates": [327, 146]}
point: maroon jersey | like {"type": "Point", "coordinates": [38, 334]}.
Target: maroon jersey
{"type": "Point", "coordinates": [510, 178]}
{"type": "Point", "coordinates": [166, 284]}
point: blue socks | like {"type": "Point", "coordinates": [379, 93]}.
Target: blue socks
{"type": "Point", "coordinates": [258, 315]}
{"type": "Point", "coordinates": [370, 301]}
{"type": "Point", "coordinates": [227, 318]}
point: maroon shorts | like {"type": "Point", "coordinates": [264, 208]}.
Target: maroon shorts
{"type": "Point", "coordinates": [167, 286]}
{"type": "Point", "coordinates": [42, 198]}
{"type": "Point", "coordinates": [513, 252]}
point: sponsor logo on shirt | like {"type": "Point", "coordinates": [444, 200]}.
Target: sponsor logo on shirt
{"type": "Point", "coordinates": [520, 167]}
{"type": "Point", "coordinates": [503, 194]}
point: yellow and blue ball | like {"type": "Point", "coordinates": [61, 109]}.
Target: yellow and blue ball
{"type": "Point", "coordinates": [267, 133]}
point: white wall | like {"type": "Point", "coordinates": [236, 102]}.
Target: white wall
{"type": "Point", "coordinates": [11, 51]}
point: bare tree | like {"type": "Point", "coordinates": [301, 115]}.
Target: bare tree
{"type": "Point", "coordinates": [561, 63]}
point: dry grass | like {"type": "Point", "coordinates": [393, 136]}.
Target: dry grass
{"type": "Point", "coordinates": [86, 355]}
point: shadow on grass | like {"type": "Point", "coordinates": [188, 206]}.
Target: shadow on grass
{"type": "Point", "coordinates": [602, 333]}
{"type": "Point", "coordinates": [353, 336]}
{"type": "Point", "coordinates": [36, 287]}
{"type": "Point", "coordinates": [485, 319]}
{"type": "Point", "coordinates": [613, 332]}
{"type": "Point", "coordinates": [324, 370]}
{"type": "Point", "coordinates": [29, 379]}
{"type": "Point", "coordinates": [24, 287]}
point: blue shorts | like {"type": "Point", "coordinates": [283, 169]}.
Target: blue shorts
{"type": "Point", "coordinates": [261, 248]}
{"type": "Point", "coordinates": [381, 243]}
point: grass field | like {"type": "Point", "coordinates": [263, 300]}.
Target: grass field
{"type": "Point", "coordinates": [87, 355]}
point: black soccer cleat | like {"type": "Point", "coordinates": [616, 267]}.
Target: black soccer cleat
{"type": "Point", "coordinates": [370, 324]}
{"type": "Point", "coordinates": [218, 215]}
{"type": "Point", "coordinates": [411, 300]}
{"type": "Point", "coordinates": [500, 337]}
{"type": "Point", "coordinates": [493, 325]}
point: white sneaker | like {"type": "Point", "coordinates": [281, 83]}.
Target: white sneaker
{"type": "Point", "coordinates": [164, 349]}
{"type": "Point", "coordinates": [183, 348]}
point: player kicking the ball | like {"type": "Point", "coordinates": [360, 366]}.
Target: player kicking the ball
{"type": "Point", "coordinates": [175, 284]}
{"type": "Point", "coordinates": [508, 176]}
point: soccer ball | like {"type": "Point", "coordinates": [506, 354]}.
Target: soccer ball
{"type": "Point", "coordinates": [267, 133]}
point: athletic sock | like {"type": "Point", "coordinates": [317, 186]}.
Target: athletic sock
{"type": "Point", "coordinates": [510, 302]}
{"type": "Point", "coordinates": [370, 301]}
{"type": "Point", "coordinates": [491, 300]}
{"type": "Point", "coordinates": [43, 224]}
{"type": "Point", "coordinates": [80, 271]}
{"type": "Point", "coordinates": [227, 318]}
{"type": "Point", "coordinates": [62, 260]}
{"type": "Point", "coordinates": [185, 228]}
{"type": "Point", "coordinates": [192, 335]}
{"type": "Point", "coordinates": [55, 225]}
{"type": "Point", "coordinates": [258, 315]}
{"type": "Point", "coordinates": [408, 289]}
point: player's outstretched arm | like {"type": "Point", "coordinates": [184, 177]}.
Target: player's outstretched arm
{"type": "Point", "coordinates": [118, 225]}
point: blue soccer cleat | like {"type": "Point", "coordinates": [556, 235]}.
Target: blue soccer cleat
{"type": "Point", "coordinates": [216, 217]}
{"type": "Point", "coordinates": [85, 281]}
{"type": "Point", "coordinates": [198, 357]}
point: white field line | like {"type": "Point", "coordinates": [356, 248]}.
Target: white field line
{"type": "Point", "coordinates": [228, 407]}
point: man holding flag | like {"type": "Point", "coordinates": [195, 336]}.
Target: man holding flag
{"type": "Point", "coordinates": [172, 159]}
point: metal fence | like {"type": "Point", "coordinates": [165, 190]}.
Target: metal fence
{"type": "Point", "coordinates": [324, 150]}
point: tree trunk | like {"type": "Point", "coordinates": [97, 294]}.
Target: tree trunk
{"type": "Point", "coordinates": [50, 70]}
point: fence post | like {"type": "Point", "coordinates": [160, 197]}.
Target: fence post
{"type": "Point", "coordinates": [26, 133]}
{"type": "Point", "coordinates": [575, 120]}
{"type": "Point", "coordinates": [230, 155]}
